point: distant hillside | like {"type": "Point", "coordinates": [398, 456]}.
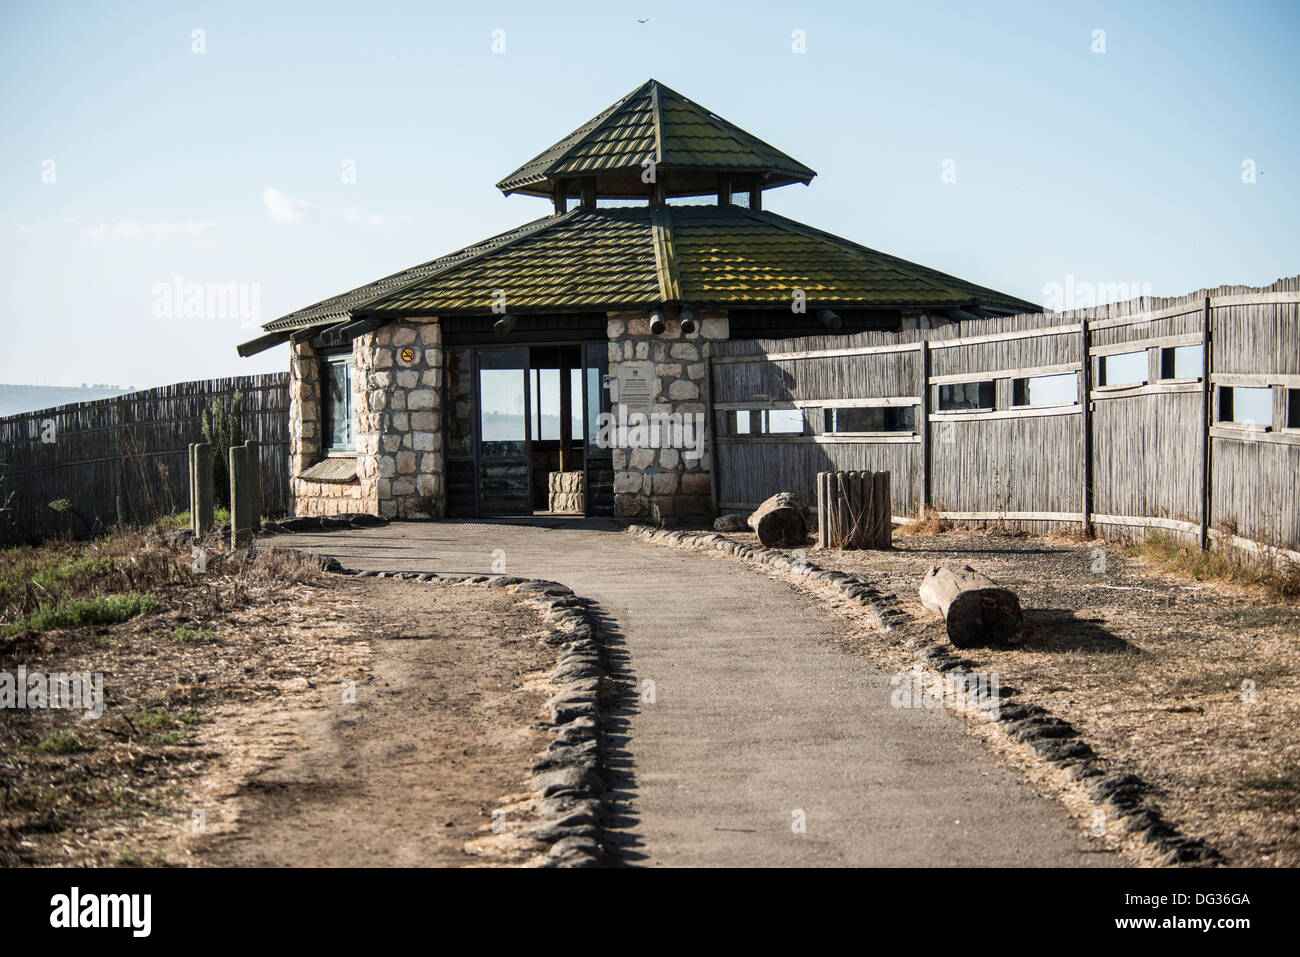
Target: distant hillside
{"type": "Point", "coordinates": [28, 398]}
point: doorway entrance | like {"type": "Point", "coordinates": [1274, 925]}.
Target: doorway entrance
{"type": "Point", "coordinates": [522, 429]}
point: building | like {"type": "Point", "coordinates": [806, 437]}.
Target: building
{"type": "Point", "coordinates": [478, 383]}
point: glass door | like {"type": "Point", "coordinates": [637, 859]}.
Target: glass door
{"type": "Point", "coordinates": [504, 447]}
{"type": "Point", "coordinates": [598, 461]}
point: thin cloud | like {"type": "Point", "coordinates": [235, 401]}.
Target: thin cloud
{"type": "Point", "coordinates": [283, 208]}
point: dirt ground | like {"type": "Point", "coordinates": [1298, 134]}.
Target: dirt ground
{"type": "Point", "coordinates": [1192, 685]}
{"type": "Point", "coordinates": [247, 745]}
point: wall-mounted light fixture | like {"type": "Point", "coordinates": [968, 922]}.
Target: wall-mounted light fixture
{"type": "Point", "coordinates": [657, 324]}
{"type": "Point", "coordinates": [504, 324]}
{"type": "Point", "coordinates": [687, 322]}
{"type": "Point", "coordinates": [830, 320]}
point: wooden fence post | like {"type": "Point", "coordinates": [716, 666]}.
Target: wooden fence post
{"type": "Point", "coordinates": [1085, 384]}
{"type": "Point", "coordinates": [1207, 397]}
{"type": "Point", "coordinates": [241, 520]}
{"type": "Point", "coordinates": [202, 493]}
{"type": "Point", "coordinates": [255, 482]}
{"type": "Point", "coordinates": [925, 427]}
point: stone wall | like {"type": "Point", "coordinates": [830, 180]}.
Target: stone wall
{"type": "Point", "coordinates": [399, 412]}
{"type": "Point", "coordinates": [399, 454]}
{"type": "Point", "coordinates": [645, 478]}
{"type": "Point", "coordinates": [564, 492]}
{"type": "Point", "coordinates": [306, 426]}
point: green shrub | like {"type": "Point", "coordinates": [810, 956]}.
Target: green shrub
{"type": "Point", "coordinates": [63, 742]}
{"type": "Point", "coordinates": [190, 636]}
{"type": "Point", "coordinates": [223, 426]}
{"type": "Point", "coordinates": [100, 610]}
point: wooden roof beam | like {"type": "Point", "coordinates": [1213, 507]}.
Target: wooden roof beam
{"type": "Point", "coordinates": [261, 344]}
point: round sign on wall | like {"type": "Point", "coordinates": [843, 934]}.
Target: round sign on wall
{"type": "Point", "coordinates": [408, 354]}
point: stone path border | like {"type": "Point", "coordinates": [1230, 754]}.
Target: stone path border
{"type": "Point", "coordinates": [1126, 800]}
{"type": "Point", "coordinates": [569, 777]}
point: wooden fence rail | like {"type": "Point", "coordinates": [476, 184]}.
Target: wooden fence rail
{"type": "Point", "coordinates": [126, 458]}
{"type": "Point", "coordinates": [1148, 424]}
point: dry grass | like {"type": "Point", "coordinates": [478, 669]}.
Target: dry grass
{"type": "Point", "coordinates": [1279, 582]}
{"type": "Point", "coordinates": [78, 790]}
{"type": "Point", "coordinates": [225, 737]}
{"type": "Point", "coordinates": [931, 523]}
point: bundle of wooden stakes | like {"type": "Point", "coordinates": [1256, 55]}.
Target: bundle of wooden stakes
{"type": "Point", "coordinates": [853, 510]}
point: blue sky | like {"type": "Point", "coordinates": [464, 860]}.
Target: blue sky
{"type": "Point", "coordinates": [227, 165]}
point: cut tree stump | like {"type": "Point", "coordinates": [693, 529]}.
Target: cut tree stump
{"type": "Point", "coordinates": [976, 610]}
{"type": "Point", "coordinates": [781, 521]}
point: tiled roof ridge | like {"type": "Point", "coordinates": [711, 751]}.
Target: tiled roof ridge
{"type": "Point", "coordinates": [724, 126]}
{"type": "Point", "coordinates": [661, 225]}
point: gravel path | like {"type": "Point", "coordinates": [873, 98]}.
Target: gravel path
{"type": "Point", "coordinates": [742, 721]}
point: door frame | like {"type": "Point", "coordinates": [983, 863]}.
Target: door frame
{"type": "Point", "coordinates": [476, 350]}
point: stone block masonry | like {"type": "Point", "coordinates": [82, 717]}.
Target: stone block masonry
{"type": "Point", "coordinates": [399, 416]}
{"type": "Point", "coordinates": [397, 384]}
{"type": "Point", "coordinates": [306, 424]}
{"type": "Point", "coordinates": [565, 492]}
{"type": "Point", "coordinates": [670, 479]}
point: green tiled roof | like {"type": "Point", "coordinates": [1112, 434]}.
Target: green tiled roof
{"type": "Point", "coordinates": [654, 122]}
{"type": "Point", "coordinates": [702, 255]}
{"type": "Point", "coordinates": [587, 259]}
{"type": "Point", "coordinates": [734, 256]}
{"type": "Point", "coordinates": [338, 308]}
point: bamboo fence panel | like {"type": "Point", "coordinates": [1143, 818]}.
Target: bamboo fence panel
{"type": "Point", "coordinates": [126, 457]}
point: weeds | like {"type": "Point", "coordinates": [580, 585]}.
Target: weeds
{"type": "Point", "coordinates": [931, 523]}
{"type": "Point", "coordinates": [1281, 583]}
{"type": "Point", "coordinates": [190, 636]}
{"type": "Point", "coordinates": [100, 610]}
{"type": "Point", "coordinates": [63, 742]}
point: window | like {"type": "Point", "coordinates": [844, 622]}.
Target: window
{"type": "Point", "coordinates": [872, 419]}
{"type": "Point", "coordinates": [966, 395]}
{"type": "Point", "coordinates": [1246, 406]}
{"type": "Point", "coordinates": [765, 422]}
{"type": "Point", "coordinates": [339, 406]}
{"type": "Point", "coordinates": [1293, 408]}
{"type": "Point", "coordinates": [1181, 362]}
{"type": "Point", "coordinates": [708, 199]}
{"type": "Point", "coordinates": [1127, 368]}
{"type": "Point", "coordinates": [1046, 390]}
{"type": "Point", "coordinates": [544, 388]}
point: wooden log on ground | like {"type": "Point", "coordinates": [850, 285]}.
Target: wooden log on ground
{"type": "Point", "coordinates": [976, 610]}
{"type": "Point", "coordinates": [781, 521]}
